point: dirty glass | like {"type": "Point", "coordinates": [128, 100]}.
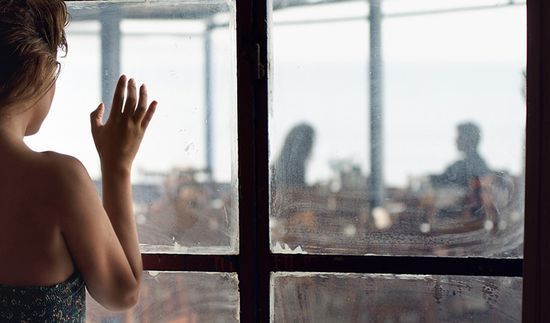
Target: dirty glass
{"type": "Point", "coordinates": [409, 142]}
{"type": "Point", "coordinates": [315, 297]}
{"type": "Point", "coordinates": [178, 297]}
{"type": "Point", "coordinates": [184, 177]}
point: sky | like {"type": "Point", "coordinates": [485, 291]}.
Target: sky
{"type": "Point", "coordinates": [439, 70]}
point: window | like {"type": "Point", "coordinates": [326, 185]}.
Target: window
{"type": "Point", "coordinates": [187, 164]}
{"type": "Point", "coordinates": [262, 271]}
{"type": "Point", "coordinates": [440, 133]}
{"type": "Point", "coordinates": [184, 180]}
{"type": "Point", "coordinates": [399, 298]}
{"type": "Point", "coordinates": [176, 297]}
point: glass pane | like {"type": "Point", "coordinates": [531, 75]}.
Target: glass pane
{"type": "Point", "coordinates": [178, 297]}
{"type": "Point", "coordinates": [184, 178]}
{"type": "Point", "coordinates": [405, 141]}
{"type": "Point", "coordinates": [327, 298]}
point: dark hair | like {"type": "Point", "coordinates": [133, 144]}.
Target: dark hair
{"type": "Point", "coordinates": [31, 32]}
{"type": "Point", "coordinates": [470, 132]}
{"type": "Point", "coordinates": [290, 168]}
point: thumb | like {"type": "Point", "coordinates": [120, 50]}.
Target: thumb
{"type": "Point", "coordinates": [96, 117]}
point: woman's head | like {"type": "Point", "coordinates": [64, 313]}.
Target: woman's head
{"type": "Point", "coordinates": [31, 32]}
{"type": "Point", "coordinates": [298, 143]}
{"type": "Point", "coordinates": [290, 168]}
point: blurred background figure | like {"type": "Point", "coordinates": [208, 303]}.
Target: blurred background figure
{"type": "Point", "coordinates": [465, 177]}
{"type": "Point", "coordinates": [290, 168]}
{"type": "Point", "coordinates": [471, 166]}
{"type": "Point", "coordinates": [289, 189]}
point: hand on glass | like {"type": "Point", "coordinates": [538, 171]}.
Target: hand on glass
{"type": "Point", "coordinates": [118, 140]}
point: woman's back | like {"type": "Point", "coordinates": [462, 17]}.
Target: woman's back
{"type": "Point", "coordinates": [38, 280]}
{"type": "Point", "coordinates": [32, 248]}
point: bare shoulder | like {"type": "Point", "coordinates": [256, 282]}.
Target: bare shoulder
{"type": "Point", "coordinates": [67, 177]}
{"type": "Point", "coordinates": [64, 166]}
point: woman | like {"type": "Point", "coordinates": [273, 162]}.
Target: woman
{"type": "Point", "coordinates": [290, 167]}
{"type": "Point", "coordinates": [55, 234]}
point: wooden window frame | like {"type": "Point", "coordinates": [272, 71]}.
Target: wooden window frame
{"type": "Point", "coordinates": [255, 261]}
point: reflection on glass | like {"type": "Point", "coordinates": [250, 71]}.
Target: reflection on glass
{"type": "Point", "coordinates": [178, 297]}
{"type": "Point", "coordinates": [184, 184]}
{"type": "Point", "coordinates": [449, 134]}
{"type": "Point", "coordinates": [394, 298]}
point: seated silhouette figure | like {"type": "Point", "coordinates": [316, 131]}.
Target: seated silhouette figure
{"type": "Point", "coordinates": [465, 175]}
{"type": "Point", "coordinates": [471, 166]}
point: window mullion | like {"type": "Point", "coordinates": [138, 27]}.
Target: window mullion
{"type": "Point", "coordinates": [252, 96]}
{"type": "Point", "coordinates": [536, 284]}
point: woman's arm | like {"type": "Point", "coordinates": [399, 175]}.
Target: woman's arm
{"type": "Point", "coordinates": [117, 143]}
{"type": "Point", "coordinates": [103, 240]}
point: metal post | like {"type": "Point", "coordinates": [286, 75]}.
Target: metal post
{"type": "Point", "coordinates": [110, 56]}
{"type": "Point", "coordinates": [208, 97]}
{"type": "Point", "coordinates": [376, 179]}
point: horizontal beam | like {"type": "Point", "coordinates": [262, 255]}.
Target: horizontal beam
{"type": "Point", "coordinates": [141, 34]}
{"type": "Point", "coordinates": [393, 15]}
{"type": "Point", "coordinates": [399, 265]}
{"type": "Point", "coordinates": [502, 267]}
{"type": "Point", "coordinates": [452, 10]}
{"type": "Point", "coordinates": [175, 262]}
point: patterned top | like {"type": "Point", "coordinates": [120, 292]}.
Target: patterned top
{"type": "Point", "coordinates": [63, 302]}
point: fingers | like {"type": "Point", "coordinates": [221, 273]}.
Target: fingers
{"type": "Point", "coordinates": [149, 115]}
{"type": "Point", "coordinates": [140, 114]}
{"type": "Point", "coordinates": [143, 115]}
{"type": "Point", "coordinates": [142, 104]}
{"type": "Point", "coordinates": [131, 99]}
{"type": "Point", "coordinates": [118, 98]}
{"type": "Point", "coordinates": [96, 117]}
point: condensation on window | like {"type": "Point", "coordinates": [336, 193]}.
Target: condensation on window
{"type": "Point", "coordinates": [184, 178]}
{"type": "Point", "coordinates": [178, 297]}
{"type": "Point", "coordinates": [389, 136]}
{"type": "Point", "coordinates": [327, 297]}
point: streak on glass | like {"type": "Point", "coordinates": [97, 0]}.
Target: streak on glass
{"type": "Point", "coordinates": [314, 297]}
{"type": "Point", "coordinates": [178, 297]}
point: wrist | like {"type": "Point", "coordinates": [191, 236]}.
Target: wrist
{"type": "Point", "coordinates": [116, 170]}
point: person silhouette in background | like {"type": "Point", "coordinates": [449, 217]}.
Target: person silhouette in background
{"type": "Point", "coordinates": [290, 167]}
{"type": "Point", "coordinates": [465, 175]}
{"type": "Point", "coordinates": [471, 166]}
{"type": "Point", "coordinates": [289, 186]}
